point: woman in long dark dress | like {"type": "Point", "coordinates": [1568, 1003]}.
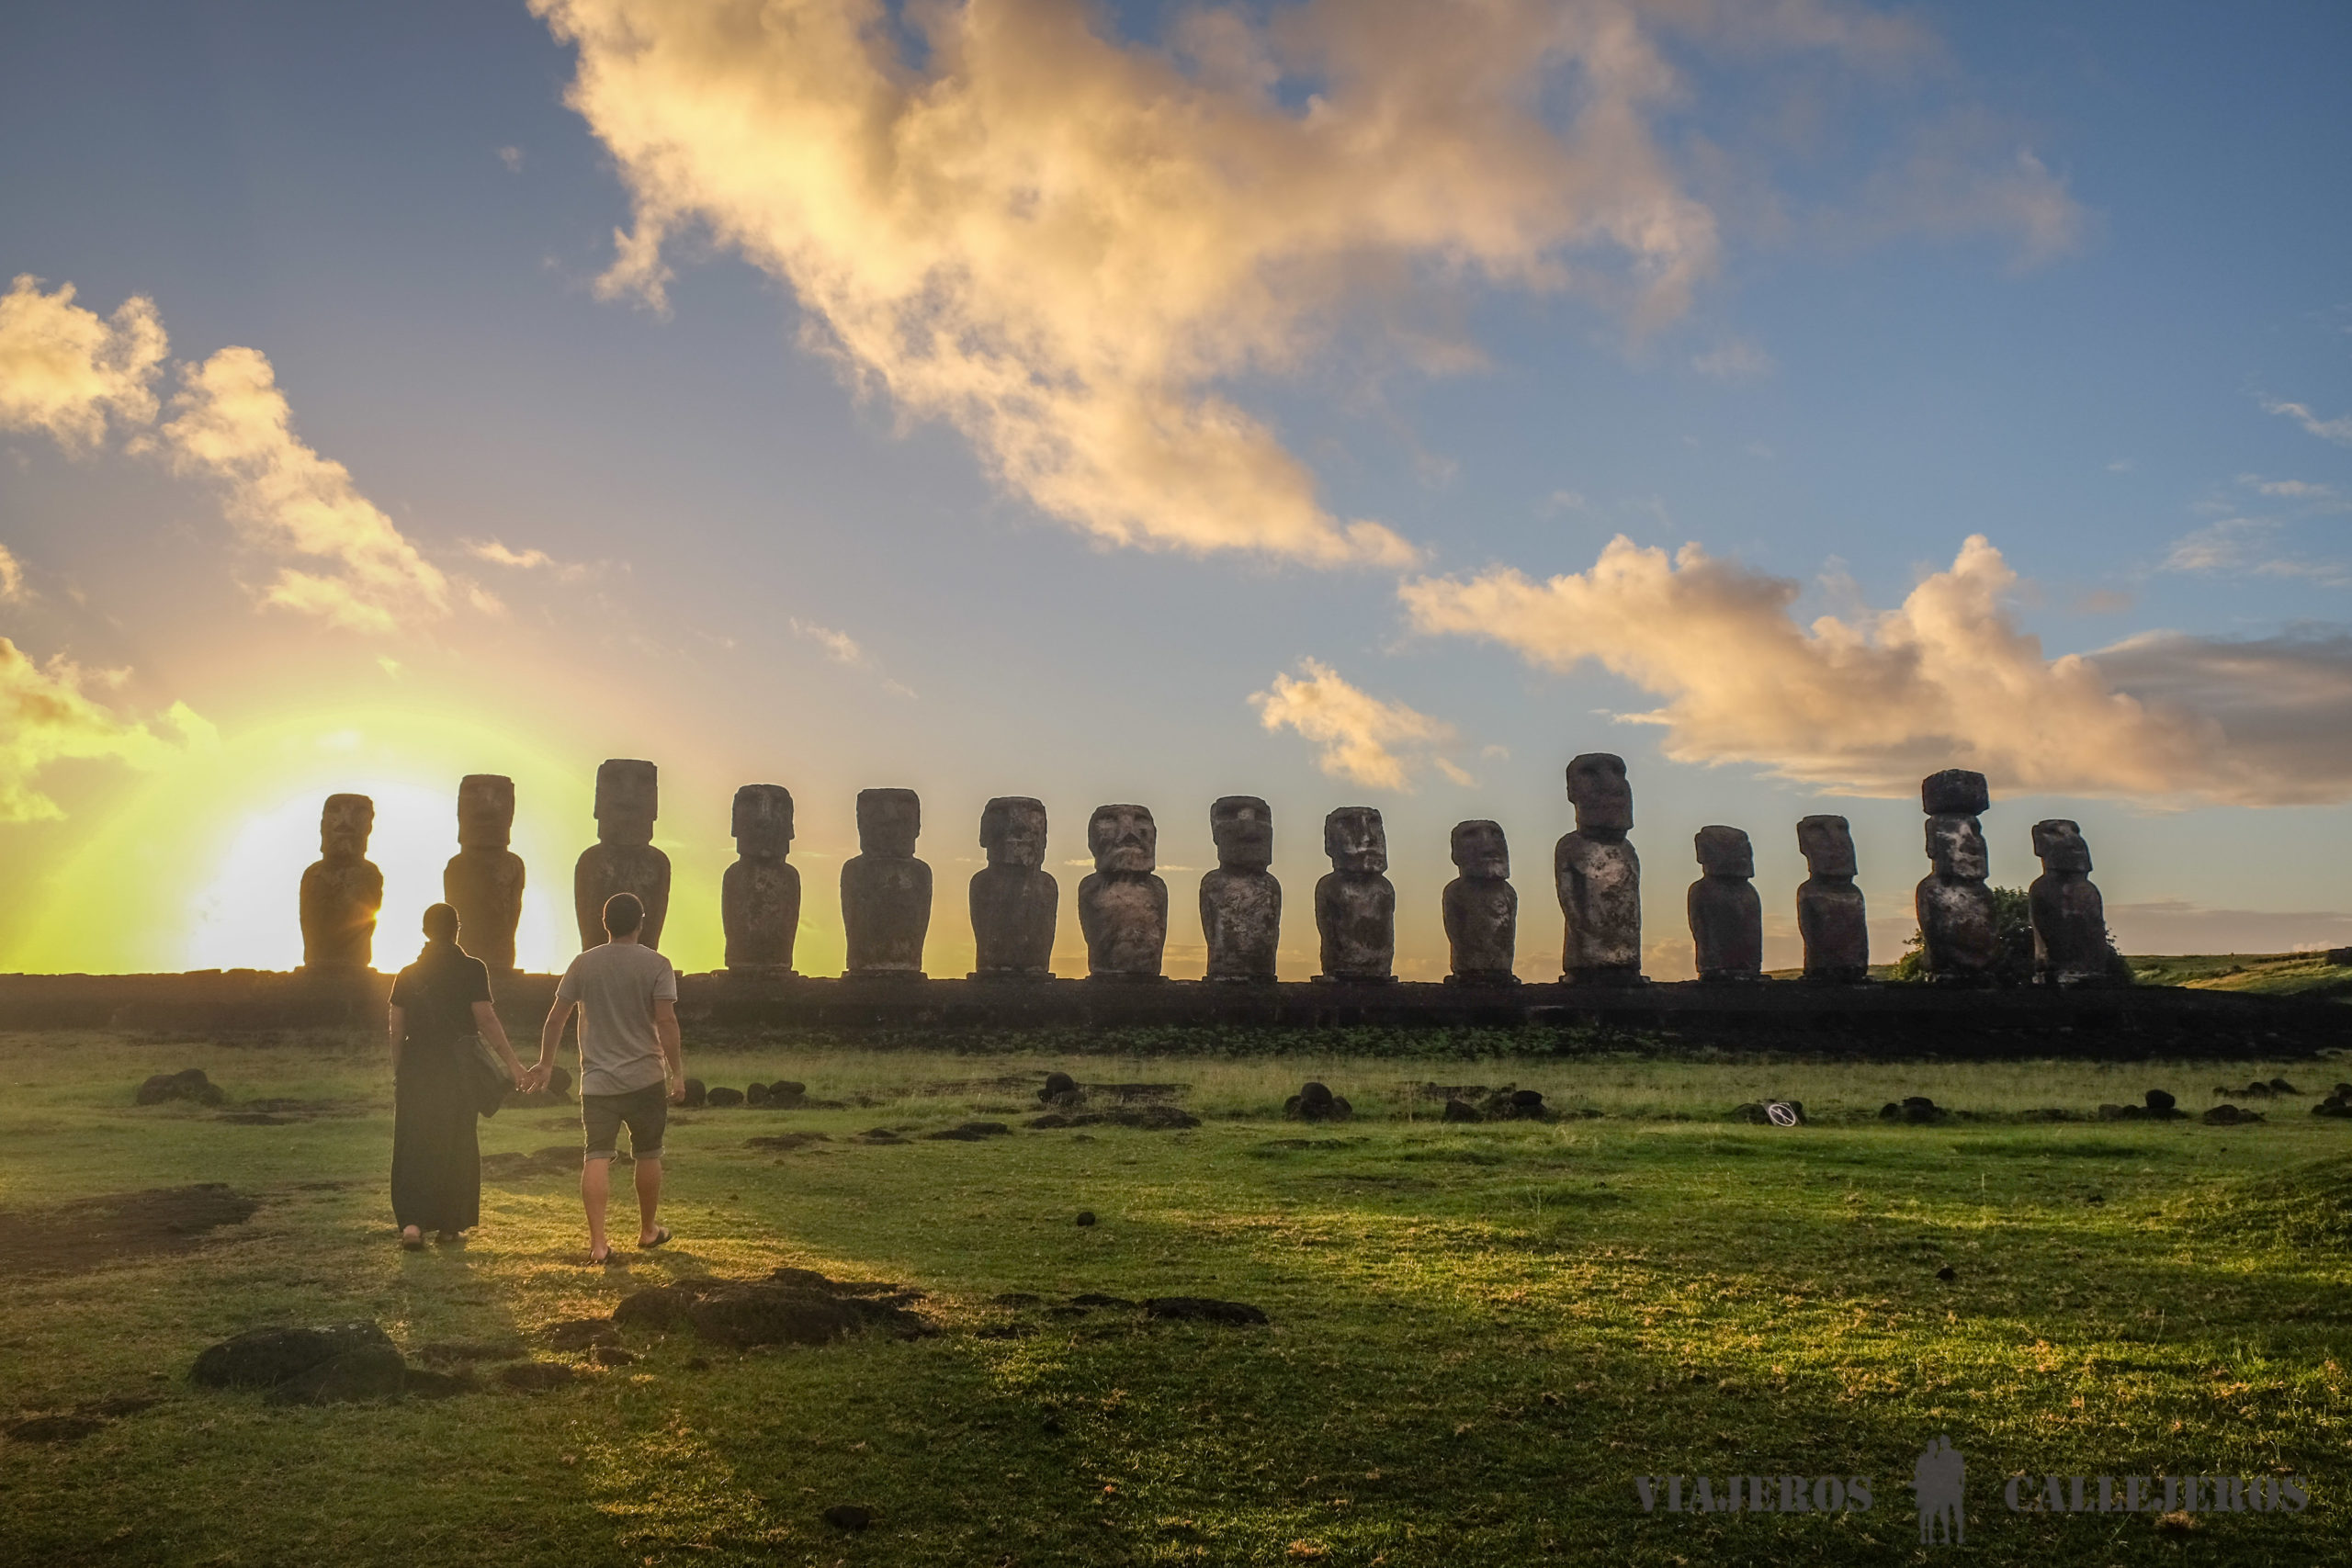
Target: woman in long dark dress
{"type": "Point", "coordinates": [439, 1004]}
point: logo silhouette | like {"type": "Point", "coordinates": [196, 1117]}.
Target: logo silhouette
{"type": "Point", "coordinates": [1941, 1479]}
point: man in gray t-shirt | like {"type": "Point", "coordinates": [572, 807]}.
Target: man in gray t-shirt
{"type": "Point", "coordinates": [631, 1064]}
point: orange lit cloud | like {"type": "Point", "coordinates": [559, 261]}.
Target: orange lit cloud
{"type": "Point", "coordinates": [232, 424]}
{"type": "Point", "coordinates": [1869, 705]}
{"type": "Point", "coordinates": [1061, 243]}
{"type": "Point", "coordinates": [66, 371]}
{"type": "Point", "coordinates": [48, 716]}
{"type": "Point", "coordinates": [1371, 740]}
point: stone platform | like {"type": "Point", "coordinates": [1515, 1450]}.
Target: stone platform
{"type": "Point", "coordinates": [1872, 1021]}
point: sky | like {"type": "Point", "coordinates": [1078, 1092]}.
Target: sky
{"type": "Point", "coordinates": [1376, 402]}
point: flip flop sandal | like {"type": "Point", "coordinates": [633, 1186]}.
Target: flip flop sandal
{"type": "Point", "coordinates": [660, 1235]}
{"type": "Point", "coordinates": [600, 1259]}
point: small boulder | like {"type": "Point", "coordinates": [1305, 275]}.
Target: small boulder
{"type": "Point", "coordinates": [1057, 1086]}
{"type": "Point", "coordinates": [1202, 1308]}
{"type": "Point", "coordinates": [371, 1371]}
{"type": "Point", "coordinates": [189, 1083]}
{"type": "Point", "coordinates": [2161, 1104]}
{"type": "Point", "coordinates": [2230, 1116]}
{"type": "Point", "coordinates": [579, 1332]}
{"type": "Point", "coordinates": [970, 1133]}
{"type": "Point", "coordinates": [848, 1516]}
{"type": "Point", "coordinates": [1085, 1218]}
{"type": "Point", "coordinates": [1316, 1102]}
{"type": "Point", "coordinates": [720, 1099]}
{"type": "Point", "coordinates": [2121, 1113]}
{"type": "Point", "coordinates": [263, 1357]}
{"type": "Point", "coordinates": [1459, 1111]}
{"type": "Point", "coordinates": [787, 1093]}
{"type": "Point", "coordinates": [755, 1094]}
{"type": "Point", "coordinates": [2337, 1104]}
{"type": "Point", "coordinates": [697, 1095]}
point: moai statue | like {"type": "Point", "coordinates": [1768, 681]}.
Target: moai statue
{"type": "Point", "coordinates": [1962, 938]}
{"type": "Point", "coordinates": [1014, 900]}
{"type": "Point", "coordinates": [1599, 878]}
{"type": "Point", "coordinates": [342, 892]}
{"type": "Point", "coordinates": [886, 892]}
{"type": "Point", "coordinates": [1123, 907]}
{"type": "Point", "coordinates": [2070, 943]}
{"type": "Point", "coordinates": [1241, 904]}
{"type": "Point", "coordinates": [1830, 906]}
{"type": "Point", "coordinates": [623, 858]}
{"type": "Point", "coordinates": [1355, 905]}
{"type": "Point", "coordinates": [1481, 908]}
{"type": "Point", "coordinates": [1726, 917]}
{"type": "Point", "coordinates": [483, 881]}
{"type": "Point", "coordinates": [758, 898]}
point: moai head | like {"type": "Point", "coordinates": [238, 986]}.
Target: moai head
{"type": "Point", "coordinates": [887, 823]}
{"type": "Point", "coordinates": [763, 825]}
{"type": "Point", "coordinates": [629, 798]}
{"type": "Point", "coordinates": [485, 811]}
{"type": "Point", "coordinates": [1012, 830]}
{"type": "Point", "coordinates": [1955, 792]}
{"type": "Point", "coordinates": [1603, 799]}
{"type": "Point", "coordinates": [1827, 845]}
{"type": "Point", "coordinates": [344, 827]}
{"type": "Point", "coordinates": [1355, 839]}
{"type": "Point", "coordinates": [2060, 845]}
{"type": "Point", "coordinates": [1724, 852]}
{"type": "Point", "coordinates": [1124, 839]}
{"type": "Point", "coordinates": [1243, 827]}
{"type": "Point", "coordinates": [1480, 851]}
{"type": "Point", "coordinates": [1957, 846]}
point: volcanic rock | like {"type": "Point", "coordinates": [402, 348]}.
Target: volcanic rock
{"type": "Point", "coordinates": [791, 1307]}
{"type": "Point", "coordinates": [1202, 1308]}
{"type": "Point", "coordinates": [755, 1094]}
{"type": "Point", "coordinates": [263, 1357]}
{"type": "Point", "coordinates": [189, 1083]}
{"type": "Point", "coordinates": [1057, 1086]}
{"type": "Point", "coordinates": [848, 1516]}
{"type": "Point", "coordinates": [970, 1133]}
{"type": "Point", "coordinates": [2230, 1116]}
{"type": "Point", "coordinates": [579, 1332]}
{"type": "Point", "coordinates": [719, 1099]}
{"type": "Point", "coordinates": [1085, 1217]}
{"type": "Point", "coordinates": [370, 1372]}
{"type": "Point", "coordinates": [1457, 1111]}
{"type": "Point", "coordinates": [697, 1095]}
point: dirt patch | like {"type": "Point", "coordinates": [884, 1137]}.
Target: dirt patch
{"type": "Point", "coordinates": [785, 1143]}
{"type": "Point", "coordinates": [557, 1160]}
{"type": "Point", "coordinates": [88, 1233]}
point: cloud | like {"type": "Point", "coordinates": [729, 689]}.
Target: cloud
{"type": "Point", "coordinates": [2245, 547]}
{"type": "Point", "coordinates": [66, 371]}
{"type": "Point", "coordinates": [839, 646]}
{"type": "Point", "coordinates": [1063, 244]}
{"type": "Point", "coordinates": [2177, 925]}
{"type": "Point", "coordinates": [1954, 183]}
{"type": "Point", "coordinates": [1737, 359]}
{"type": "Point", "coordinates": [499, 554]}
{"type": "Point", "coordinates": [2289, 490]}
{"type": "Point", "coordinates": [1869, 703]}
{"type": "Point", "coordinates": [232, 424]}
{"type": "Point", "coordinates": [12, 579]}
{"type": "Point", "coordinates": [2336, 430]}
{"type": "Point", "coordinates": [513, 158]}
{"type": "Point", "coordinates": [47, 716]}
{"type": "Point", "coordinates": [1377, 743]}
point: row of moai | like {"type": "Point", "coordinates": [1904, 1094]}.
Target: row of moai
{"type": "Point", "coordinates": [886, 892]}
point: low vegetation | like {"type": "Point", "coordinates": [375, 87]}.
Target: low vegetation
{"type": "Point", "coordinates": [1478, 1335]}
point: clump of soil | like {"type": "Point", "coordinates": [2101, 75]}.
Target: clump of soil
{"type": "Point", "coordinates": [1148, 1118]}
{"type": "Point", "coordinates": [2226, 1115]}
{"type": "Point", "coordinates": [791, 1306]}
{"type": "Point", "coordinates": [2160, 1106]}
{"type": "Point", "coordinates": [86, 1233]}
{"type": "Point", "coordinates": [971, 1131]}
{"type": "Point", "coordinates": [1916, 1108]}
{"type": "Point", "coordinates": [1316, 1102]}
{"type": "Point", "coordinates": [1202, 1308]}
{"type": "Point", "coordinates": [785, 1143]}
{"type": "Point", "coordinates": [189, 1083]}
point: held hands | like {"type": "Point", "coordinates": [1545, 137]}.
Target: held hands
{"type": "Point", "coordinates": [535, 1077]}
{"type": "Point", "coordinates": [678, 1092]}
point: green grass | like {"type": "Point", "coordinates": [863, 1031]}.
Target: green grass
{"type": "Point", "coordinates": [1481, 1334]}
{"type": "Point", "coordinates": [2264, 974]}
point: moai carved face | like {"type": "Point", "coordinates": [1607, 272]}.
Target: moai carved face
{"type": "Point", "coordinates": [1603, 799]}
{"type": "Point", "coordinates": [1827, 845]}
{"type": "Point", "coordinates": [628, 798]}
{"type": "Point", "coordinates": [1012, 830]}
{"type": "Point", "coordinates": [344, 827]}
{"type": "Point", "coordinates": [1479, 850]}
{"type": "Point", "coordinates": [764, 821]}
{"type": "Point", "coordinates": [1356, 839]}
{"type": "Point", "coordinates": [1957, 846]}
{"type": "Point", "coordinates": [2061, 846]}
{"type": "Point", "coordinates": [485, 811]}
{"type": "Point", "coordinates": [1724, 852]}
{"type": "Point", "coordinates": [887, 823]}
{"type": "Point", "coordinates": [1243, 827]}
{"type": "Point", "coordinates": [1124, 839]}
{"type": "Point", "coordinates": [1955, 792]}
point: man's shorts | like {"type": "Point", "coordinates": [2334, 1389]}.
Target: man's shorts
{"type": "Point", "coordinates": [646, 1111]}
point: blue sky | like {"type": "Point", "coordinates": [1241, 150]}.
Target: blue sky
{"type": "Point", "coordinates": [2059, 278]}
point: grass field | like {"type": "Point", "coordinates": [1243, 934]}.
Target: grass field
{"type": "Point", "coordinates": [1480, 1334]}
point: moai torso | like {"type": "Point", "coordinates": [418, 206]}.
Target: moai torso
{"type": "Point", "coordinates": [1830, 916]}
{"type": "Point", "coordinates": [2069, 942]}
{"type": "Point", "coordinates": [886, 892]}
{"type": "Point", "coordinates": [1599, 878]}
{"type": "Point", "coordinates": [623, 858]}
{"type": "Point", "coordinates": [1958, 931]}
{"type": "Point", "coordinates": [1481, 908]}
{"type": "Point", "coordinates": [759, 898]}
{"type": "Point", "coordinates": [1016, 901]}
{"type": "Point", "coordinates": [483, 881]}
{"type": "Point", "coordinates": [1123, 906]}
{"type": "Point", "coordinates": [1355, 905]}
{"type": "Point", "coordinates": [342, 892]}
{"type": "Point", "coordinates": [1241, 904]}
{"type": "Point", "coordinates": [1726, 917]}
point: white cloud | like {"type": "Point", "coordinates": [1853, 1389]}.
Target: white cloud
{"type": "Point", "coordinates": [1368, 739]}
{"type": "Point", "coordinates": [500, 554]}
{"type": "Point", "coordinates": [2289, 490]}
{"type": "Point", "coordinates": [2337, 429]}
{"type": "Point", "coordinates": [1869, 704]}
{"type": "Point", "coordinates": [12, 579]}
{"type": "Point", "coordinates": [48, 716]}
{"type": "Point", "coordinates": [66, 371]}
{"type": "Point", "coordinates": [232, 424]}
{"type": "Point", "coordinates": [1737, 359]}
{"type": "Point", "coordinates": [513, 158]}
{"type": "Point", "coordinates": [2246, 546]}
{"type": "Point", "coordinates": [839, 646]}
